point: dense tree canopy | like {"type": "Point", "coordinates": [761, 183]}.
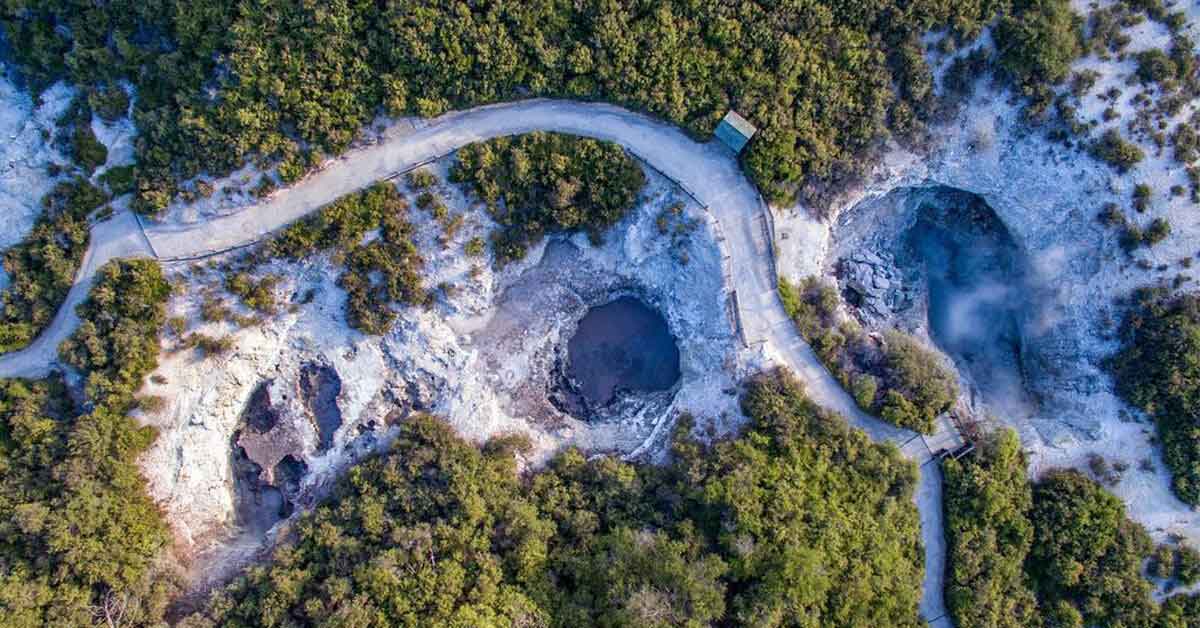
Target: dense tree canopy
{"type": "Point", "coordinates": [800, 521]}
{"type": "Point", "coordinates": [79, 536]}
{"type": "Point", "coordinates": [286, 80]}
{"type": "Point", "coordinates": [987, 502]}
{"type": "Point", "coordinates": [116, 342]}
{"type": "Point", "coordinates": [1059, 552]}
{"type": "Point", "coordinates": [541, 183]}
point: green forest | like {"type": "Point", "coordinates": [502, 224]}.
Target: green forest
{"type": "Point", "coordinates": [80, 539]}
{"type": "Point", "coordinates": [284, 84]}
{"type": "Point", "coordinates": [1058, 552]}
{"type": "Point", "coordinates": [798, 517]}
{"type": "Point", "coordinates": [540, 183]}
{"type": "Point", "coordinates": [287, 81]}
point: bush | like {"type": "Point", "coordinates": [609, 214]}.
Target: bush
{"type": "Point", "coordinates": [257, 294]}
{"type": "Point", "coordinates": [916, 375]}
{"type": "Point", "coordinates": [1067, 557]}
{"type": "Point", "coordinates": [87, 151]}
{"type": "Point", "coordinates": [475, 247]}
{"type": "Point", "coordinates": [119, 180]}
{"type": "Point", "coordinates": [901, 381]}
{"type": "Point", "coordinates": [1156, 370]}
{"type": "Point", "coordinates": [1187, 565]}
{"type": "Point", "coordinates": [437, 532]}
{"type": "Point", "coordinates": [1112, 149]}
{"type": "Point", "coordinates": [379, 273]}
{"type": "Point", "coordinates": [421, 179]}
{"type": "Point", "coordinates": [542, 183]}
{"type": "Point", "coordinates": [116, 342]}
{"type": "Point", "coordinates": [1038, 42]}
{"type": "Point", "coordinates": [1087, 554]}
{"type": "Point", "coordinates": [110, 102]}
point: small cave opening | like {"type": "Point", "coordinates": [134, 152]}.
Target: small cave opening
{"type": "Point", "coordinates": [320, 386]}
{"type": "Point", "coordinates": [621, 346]}
{"type": "Point", "coordinates": [977, 289]}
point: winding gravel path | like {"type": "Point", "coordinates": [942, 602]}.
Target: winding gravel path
{"type": "Point", "coordinates": [708, 171]}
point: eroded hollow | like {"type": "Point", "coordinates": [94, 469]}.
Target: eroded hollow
{"type": "Point", "coordinates": [623, 345]}
{"type": "Point", "coordinates": [976, 288]}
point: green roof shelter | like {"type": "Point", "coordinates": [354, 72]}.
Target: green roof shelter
{"type": "Point", "coordinates": [735, 131]}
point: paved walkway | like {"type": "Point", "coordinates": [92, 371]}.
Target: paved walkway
{"type": "Point", "coordinates": [708, 171]}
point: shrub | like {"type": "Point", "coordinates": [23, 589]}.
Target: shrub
{"type": "Point", "coordinates": [1087, 554]}
{"type": "Point", "coordinates": [119, 180]}
{"type": "Point", "coordinates": [1112, 149]}
{"type": "Point", "coordinates": [475, 247]}
{"type": "Point", "coordinates": [116, 342]}
{"type": "Point", "coordinates": [1156, 371]}
{"type": "Point", "coordinates": [1162, 562]}
{"type": "Point", "coordinates": [542, 183]}
{"type": "Point", "coordinates": [210, 345]}
{"type": "Point", "coordinates": [1187, 565]}
{"type": "Point", "coordinates": [1141, 197]}
{"type": "Point", "coordinates": [918, 376]}
{"type": "Point", "coordinates": [1038, 42]}
{"type": "Point", "coordinates": [900, 380]}
{"type": "Point", "coordinates": [1158, 231]}
{"type": "Point", "coordinates": [43, 266]}
{"type": "Point", "coordinates": [87, 151]}
{"type": "Point", "coordinates": [379, 273]}
{"type": "Point", "coordinates": [1154, 66]}
{"type": "Point", "coordinates": [257, 294]}
{"type": "Point", "coordinates": [421, 179]}
{"type": "Point", "coordinates": [110, 102]}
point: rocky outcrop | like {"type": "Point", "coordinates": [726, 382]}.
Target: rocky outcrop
{"type": "Point", "coordinates": [878, 287]}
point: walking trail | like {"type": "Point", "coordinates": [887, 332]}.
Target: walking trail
{"type": "Point", "coordinates": [707, 171]}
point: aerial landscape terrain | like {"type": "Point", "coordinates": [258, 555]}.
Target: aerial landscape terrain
{"type": "Point", "coordinates": [644, 313]}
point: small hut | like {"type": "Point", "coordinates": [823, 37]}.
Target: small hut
{"type": "Point", "coordinates": [735, 131]}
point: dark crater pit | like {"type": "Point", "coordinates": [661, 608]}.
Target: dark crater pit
{"type": "Point", "coordinates": [621, 346]}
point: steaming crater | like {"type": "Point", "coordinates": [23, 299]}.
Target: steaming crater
{"type": "Point", "coordinates": [937, 261]}
{"type": "Point", "coordinates": [976, 281]}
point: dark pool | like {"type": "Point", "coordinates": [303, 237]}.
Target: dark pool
{"type": "Point", "coordinates": [622, 345]}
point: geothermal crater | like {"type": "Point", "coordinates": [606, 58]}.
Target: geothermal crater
{"type": "Point", "coordinates": [937, 260]}
{"type": "Point", "coordinates": [621, 346]}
